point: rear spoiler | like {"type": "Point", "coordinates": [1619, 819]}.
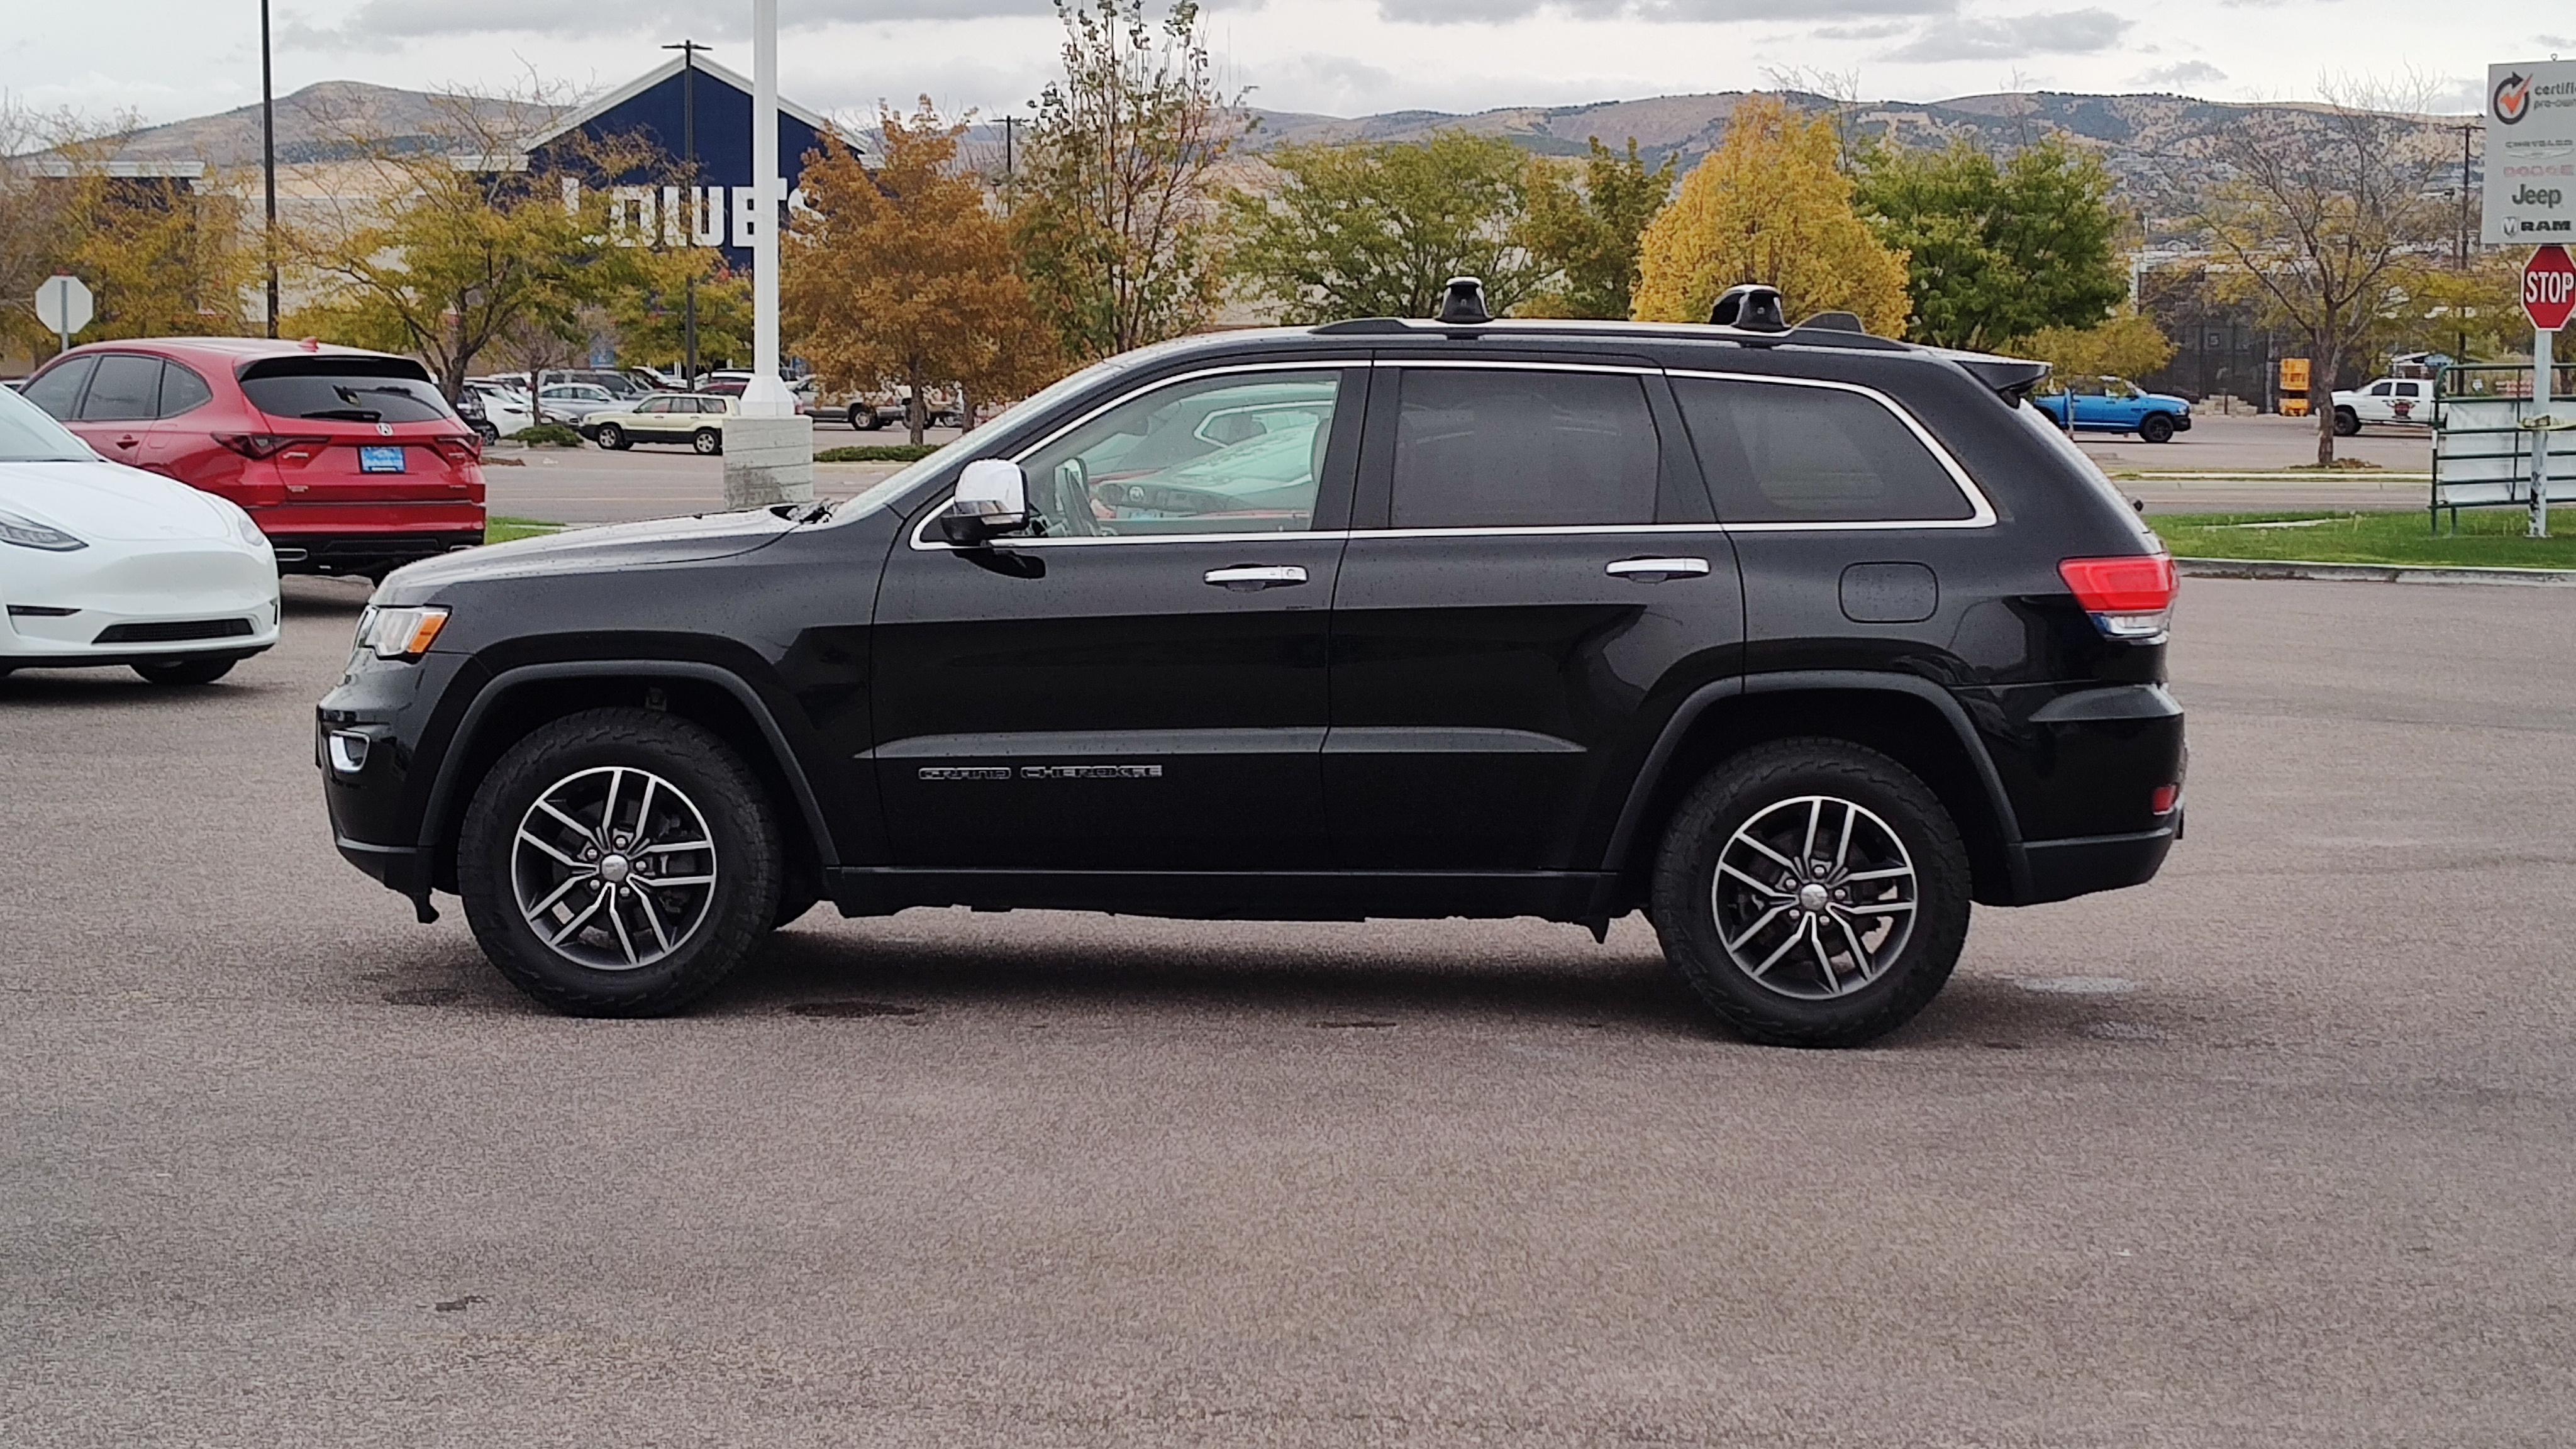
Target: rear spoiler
{"type": "Point", "coordinates": [2009, 378]}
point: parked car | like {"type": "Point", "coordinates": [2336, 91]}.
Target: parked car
{"type": "Point", "coordinates": [572, 403]}
{"type": "Point", "coordinates": [350, 461]}
{"type": "Point", "coordinates": [2395, 401]}
{"type": "Point", "coordinates": [724, 384]}
{"type": "Point", "coordinates": [694, 419]}
{"type": "Point", "coordinates": [2116, 405]}
{"type": "Point", "coordinates": [616, 381]}
{"type": "Point", "coordinates": [497, 412]}
{"type": "Point", "coordinates": [104, 564]}
{"type": "Point", "coordinates": [892, 408]}
{"type": "Point", "coordinates": [1799, 639]}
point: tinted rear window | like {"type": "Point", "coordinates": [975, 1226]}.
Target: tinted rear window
{"type": "Point", "coordinates": [1512, 449]}
{"type": "Point", "coordinates": [126, 387]}
{"type": "Point", "coordinates": [1782, 453]}
{"type": "Point", "coordinates": [357, 390]}
{"type": "Point", "coordinates": [59, 390]}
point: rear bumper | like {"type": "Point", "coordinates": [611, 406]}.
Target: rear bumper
{"type": "Point", "coordinates": [2063, 869]}
{"type": "Point", "coordinates": [370, 552]}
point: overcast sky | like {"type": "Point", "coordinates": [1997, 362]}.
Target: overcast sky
{"type": "Point", "coordinates": [168, 59]}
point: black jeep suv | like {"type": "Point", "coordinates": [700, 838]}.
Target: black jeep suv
{"type": "Point", "coordinates": [1798, 639]}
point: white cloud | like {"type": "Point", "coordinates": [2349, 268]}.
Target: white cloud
{"type": "Point", "coordinates": [2061, 32]}
{"type": "Point", "coordinates": [2183, 73]}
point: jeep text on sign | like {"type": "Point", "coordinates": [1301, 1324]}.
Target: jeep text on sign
{"type": "Point", "coordinates": [2549, 288]}
{"type": "Point", "coordinates": [2530, 153]}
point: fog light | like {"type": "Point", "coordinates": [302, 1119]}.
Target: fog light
{"type": "Point", "coordinates": [348, 752]}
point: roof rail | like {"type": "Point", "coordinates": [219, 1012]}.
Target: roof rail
{"type": "Point", "coordinates": [1821, 331]}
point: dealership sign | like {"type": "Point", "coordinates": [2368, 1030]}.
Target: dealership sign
{"type": "Point", "coordinates": [2531, 153]}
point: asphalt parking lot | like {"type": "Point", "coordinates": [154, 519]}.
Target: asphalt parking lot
{"type": "Point", "coordinates": [2273, 1151]}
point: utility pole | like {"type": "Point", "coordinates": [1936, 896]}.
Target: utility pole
{"type": "Point", "coordinates": [1010, 127]}
{"type": "Point", "coordinates": [268, 160]}
{"type": "Point", "coordinates": [688, 50]}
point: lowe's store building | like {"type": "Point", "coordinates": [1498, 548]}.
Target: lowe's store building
{"type": "Point", "coordinates": [698, 114]}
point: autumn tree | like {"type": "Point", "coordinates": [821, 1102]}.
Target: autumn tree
{"type": "Point", "coordinates": [1587, 232]}
{"type": "Point", "coordinates": [2327, 217]}
{"type": "Point", "coordinates": [1113, 217]}
{"type": "Point", "coordinates": [2125, 345]}
{"type": "Point", "coordinates": [1996, 250]}
{"type": "Point", "coordinates": [162, 255]}
{"type": "Point", "coordinates": [1770, 205]}
{"type": "Point", "coordinates": [905, 275]}
{"type": "Point", "coordinates": [1377, 230]}
{"type": "Point", "coordinates": [445, 262]}
{"type": "Point", "coordinates": [649, 319]}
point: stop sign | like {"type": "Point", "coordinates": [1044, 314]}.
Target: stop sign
{"type": "Point", "coordinates": [2549, 288]}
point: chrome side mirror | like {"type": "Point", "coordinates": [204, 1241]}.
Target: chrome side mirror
{"type": "Point", "coordinates": [992, 497]}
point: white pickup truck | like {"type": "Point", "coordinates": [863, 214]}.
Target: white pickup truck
{"type": "Point", "coordinates": [2403, 400]}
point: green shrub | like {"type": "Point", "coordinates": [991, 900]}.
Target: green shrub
{"type": "Point", "coordinates": [547, 435]}
{"type": "Point", "coordinates": [878, 453]}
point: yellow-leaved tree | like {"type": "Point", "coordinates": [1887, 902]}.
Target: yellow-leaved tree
{"type": "Point", "coordinates": [1770, 205]}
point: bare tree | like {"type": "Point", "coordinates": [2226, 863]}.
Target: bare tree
{"type": "Point", "coordinates": [2323, 214]}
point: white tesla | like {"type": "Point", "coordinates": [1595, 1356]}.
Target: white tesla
{"type": "Point", "coordinates": [105, 564]}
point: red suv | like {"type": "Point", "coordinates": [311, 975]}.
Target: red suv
{"type": "Point", "coordinates": [351, 462]}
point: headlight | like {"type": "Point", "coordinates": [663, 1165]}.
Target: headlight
{"type": "Point", "coordinates": [28, 533]}
{"type": "Point", "coordinates": [400, 633]}
{"type": "Point", "coordinates": [243, 527]}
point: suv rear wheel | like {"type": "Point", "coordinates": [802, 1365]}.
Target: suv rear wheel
{"type": "Point", "coordinates": [707, 441]}
{"type": "Point", "coordinates": [1815, 893]}
{"type": "Point", "coordinates": [619, 862]}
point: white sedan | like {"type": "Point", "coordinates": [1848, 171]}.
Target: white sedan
{"type": "Point", "coordinates": [105, 564]}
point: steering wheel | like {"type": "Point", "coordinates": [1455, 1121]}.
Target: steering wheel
{"type": "Point", "coordinates": [1073, 499]}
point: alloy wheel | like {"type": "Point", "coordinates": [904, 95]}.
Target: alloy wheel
{"type": "Point", "coordinates": [614, 868]}
{"type": "Point", "coordinates": [1814, 897]}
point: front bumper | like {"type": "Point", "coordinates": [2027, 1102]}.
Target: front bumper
{"type": "Point", "coordinates": [126, 604]}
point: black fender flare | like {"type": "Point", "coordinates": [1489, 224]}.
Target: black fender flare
{"type": "Point", "coordinates": [1677, 727]}
{"type": "Point", "coordinates": [442, 790]}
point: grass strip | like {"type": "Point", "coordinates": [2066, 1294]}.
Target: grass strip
{"type": "Point", "coordinates": [503, 530]}
{"type": "Point", "coordinates": [878, 453]}
{"type": "Point", "coordinates": [2488, 538]}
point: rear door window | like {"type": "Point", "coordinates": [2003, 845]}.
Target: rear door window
{"type": "Point", "coordinates": [344, 393]}
{"type": "Point", "coordinates": [182, 389]}
{"type": "Point", "coordinates": [1778, 452]}
{"type": "Point", "coordinates": [58, 391]}
{"type": "Point", "coordinates": [126, 388]}
{"type": "Point", "coordinates": [1522, 448]}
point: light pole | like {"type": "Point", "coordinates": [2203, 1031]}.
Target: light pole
{"type": "Point", "coordinates": [769, 447]}
{"type": "Point", "coordinates": [268, 161]}
{"type": "Point", "coordinates": [688, 50]}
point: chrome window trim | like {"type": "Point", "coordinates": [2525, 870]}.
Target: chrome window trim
{"type": "Point", "coordinates": [1981, 512]}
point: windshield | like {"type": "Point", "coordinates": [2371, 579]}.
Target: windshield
{"type": "Point", "coordinates": [970, 444]}
{"type": "Point", "coordinates": [28, 436]}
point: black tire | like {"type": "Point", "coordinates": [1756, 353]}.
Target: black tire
{"type": "Point", "coordinates": [745, 861]}
{"type": "Point", "coordinates": [2156, 428]}
{"type": "Point", "coordinates": [2347, 423]}
{"type": "Point", "coordinates": [488, 433]}
{"type": "Point", "coordinates": [186, 671]}
{"type": "Point", "coordinates": [610, 436]}
{"type": "Point", "coordinates": [873, 422]}
{"type": "Point", "coordinates": [1767, 784]}
{"type": "Point", "coordinates": [856, 415]}
{"type": "Point", "coordinates": [707, 441]}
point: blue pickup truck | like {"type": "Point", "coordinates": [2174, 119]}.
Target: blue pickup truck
{"type": "Point", "coordinates": [2116, 405]}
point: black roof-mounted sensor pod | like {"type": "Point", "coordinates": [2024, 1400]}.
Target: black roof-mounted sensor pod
{"type": "Point", "coordinates": [1751, 306]}
{"type": "Point", "coordinates": [1464, 303]}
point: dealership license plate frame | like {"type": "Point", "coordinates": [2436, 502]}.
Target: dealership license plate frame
{"type": "Point", "coordinates": [383, 458]}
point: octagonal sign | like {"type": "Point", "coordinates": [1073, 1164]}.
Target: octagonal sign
{"type": "Point", "coordinates": [2549, 287]}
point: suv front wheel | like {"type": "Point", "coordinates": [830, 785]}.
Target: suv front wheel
{"type": "Point", "coordinates": [619, 862]}
{"type": "Point", "coordinates": [1814, 892]}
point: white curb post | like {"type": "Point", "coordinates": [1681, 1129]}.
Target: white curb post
{"type": "Point", "coordinates": [769, 447]}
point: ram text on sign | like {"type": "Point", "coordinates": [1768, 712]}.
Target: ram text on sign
{"type": "Point", "coordinates": [2531, 153]}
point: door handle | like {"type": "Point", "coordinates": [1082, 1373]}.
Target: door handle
{"type": "Point", "coordinates": [1656, 570]}
{"type": "Point", "coordinates": [128, 441]}
{"type": "Point", "coordinates": [1245, 578]}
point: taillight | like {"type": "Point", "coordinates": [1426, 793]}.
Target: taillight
{"type": "Point", "coordinates": [2130, 597]}
{"type": "Point", "coordinates": [459, 450]}
{"type": "Point", "coordinates": [264, 445]}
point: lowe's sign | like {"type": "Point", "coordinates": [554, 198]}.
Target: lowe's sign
{"type": "Point", "coordinates": [689, 111]}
